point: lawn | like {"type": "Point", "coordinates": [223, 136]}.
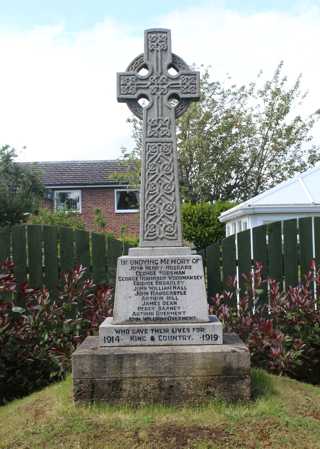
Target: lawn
{"type": "Point", "coordinates": [283, 414]}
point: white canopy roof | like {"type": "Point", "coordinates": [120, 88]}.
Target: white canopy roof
{"type": "Point", "coordinates": [300, 194]}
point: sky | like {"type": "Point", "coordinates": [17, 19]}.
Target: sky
{"type": "Point", "coordinates": [59, 61]}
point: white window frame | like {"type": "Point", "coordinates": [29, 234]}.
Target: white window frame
{"type": "Point", "coordinates": [244, 224]}
{"type": "Point", "coordinates": [124, 211]}
{"type": "Point", "coordinates": [79, 192]}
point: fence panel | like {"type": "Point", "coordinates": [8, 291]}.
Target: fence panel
{"type": "Point", "coordinates": [99, 258]}
{"type": "Point", "coordinates": [275, 265]}
{"type": "Point", "coordinates": [228, 260]}
{"type": "Point", "coordinates": [4, 244]}
{"type": "Point", "coordinates": [260, 250]}
{"type": "Point", "coordinates": [260, 255]}
{"type": "Point", "coordinates": [317, 240]}
{"type": "Point", "coordinates": [67, 260]}
{"type": "Point", "coordinates": [19, 253]}
{"type": "Point", "coordinates": [213, 255]}
{"type": "Point", "coordinates": [306, 244]}
{"type": "Point", "coordinates": [290, 252]}
{"type": "Point", "coordinates": [41, 252]}
{"type": "Point", "coordinates": [35, 255]}
{"type": "Point", "coordinates": [82, 251]}
{"type": "Point", "coordinates": [244, 255]}
{"type": "Point", "coordinates": [114, 250]}
{"type": "Point", "coordinates": [50, 248]}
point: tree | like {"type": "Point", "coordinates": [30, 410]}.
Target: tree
{"type": "Point", "coordinates": [238, 141]}
{"type": "Point", "coordinates": [201, 224]}
{"type": "Point", "coordinates": [20, 189]}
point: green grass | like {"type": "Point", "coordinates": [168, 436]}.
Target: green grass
{"type": "Point", "coordinates": [283, 414]}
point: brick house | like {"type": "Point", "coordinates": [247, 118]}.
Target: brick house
{"type": "Point", "coordinates": [84, 186]}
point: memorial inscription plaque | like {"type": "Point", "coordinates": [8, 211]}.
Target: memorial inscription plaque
{"type": "Point", "coordinates": [160, 295]}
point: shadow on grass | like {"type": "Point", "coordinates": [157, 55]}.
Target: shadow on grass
{"type": "Point", "coordinates": [261, 384]}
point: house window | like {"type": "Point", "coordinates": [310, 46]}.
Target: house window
{"type": "Point", "coordinates": [126, 201]}
{"type": "Point", "coordinates": [67, 200]}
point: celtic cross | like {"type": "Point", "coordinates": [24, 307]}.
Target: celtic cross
{"type": "Point", "coordinates": [168, 97]}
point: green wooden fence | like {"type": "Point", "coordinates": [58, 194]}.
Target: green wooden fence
{"type": "Point", "coordinates": [40, 253]}
{"type": "Point", "coordinates": [285, 249]}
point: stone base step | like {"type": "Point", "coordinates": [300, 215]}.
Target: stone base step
{"type": "Point", "coordinates": [157, 334]}
{"type": "Point", "coordinates": [161, 374]}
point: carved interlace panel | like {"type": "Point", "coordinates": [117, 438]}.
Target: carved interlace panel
{"type": "Point", "coordinates": [158, 84]}
{"type": "Point", "coordinates": [158, 127]}
{"type": "Point", "coordinates": [128, 85]}
{"type": "Point", "coordinates": [188, 84]}
{"type": "Point", "coordinates": [160, 212]}
{"type": "Point", "coordinates": [157, 41]}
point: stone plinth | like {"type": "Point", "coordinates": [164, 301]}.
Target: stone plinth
{"type": "Point", "coordinates": [161, 374]}
{"type": "Point", "coordinates": [161, 334]}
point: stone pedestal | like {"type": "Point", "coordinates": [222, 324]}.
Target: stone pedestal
{"type": "Point", "coordinates": [161, 374]}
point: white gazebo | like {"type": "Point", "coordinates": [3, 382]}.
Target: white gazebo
{"type": "Point", "coordinates": [296, 197]}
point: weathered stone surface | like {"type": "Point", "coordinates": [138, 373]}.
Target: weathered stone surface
{"type": "Point", "coordinates": [160, 251]}
{"type": "Point", "coordinates": [160, 223]}
{"type": "Point", "coordinates": [160, 334]}
{"type": "Point", "coordinates": [160, 289]}
{"type": "Point", "coordinates": [161, 374]}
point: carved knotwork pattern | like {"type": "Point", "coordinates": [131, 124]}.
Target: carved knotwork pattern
{"type": "Point", "coordinates": [160, 212]}
{"type": "Point", "coordinates": [128, 85]}
{"type": "Point", "coordinates": [137, 64]}
{"type": "Point", "coordinates": [158, 127]}
{"type": "Point", "coordinates": [158, 84]}
{"type": "Point", "coordinates": [188, 84]}
{"type": "Point", "coordinates": [157, 41]}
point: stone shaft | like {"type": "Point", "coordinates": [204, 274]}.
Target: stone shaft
{"type": "Point", "coordinates": [160, 223]}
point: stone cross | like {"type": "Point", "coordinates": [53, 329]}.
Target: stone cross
{"type": "Point", "coordinates": [168, 96]}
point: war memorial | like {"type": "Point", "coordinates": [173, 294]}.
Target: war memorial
{"type": "Point", "coordinates": [160, 346]}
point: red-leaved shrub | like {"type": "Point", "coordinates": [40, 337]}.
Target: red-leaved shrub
{"type": "Point", "coordinates": [281, 328]}
{"type": "Point", "coordinates": [39, 330]}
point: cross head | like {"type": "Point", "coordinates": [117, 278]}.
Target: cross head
{"type": "Point", "coordinates": [167, 96]}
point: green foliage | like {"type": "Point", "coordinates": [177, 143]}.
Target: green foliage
{"type": "Point", "coordinates": [20, 189]}
{"type": "Point", "coordinates": [59, 218]}
{"type": "Point", "coordinates": [238, 141]}
{"type": "Point", "coordinates": [131, 160]}
{"type": "Point", "coordinates": [39, 330]}
{"type": "Point", "coordinates": [200, 222]}
{"type": "Point", "coordinates": [283, 335]}
{"type": "Point", "coordinates": [99, 220]}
